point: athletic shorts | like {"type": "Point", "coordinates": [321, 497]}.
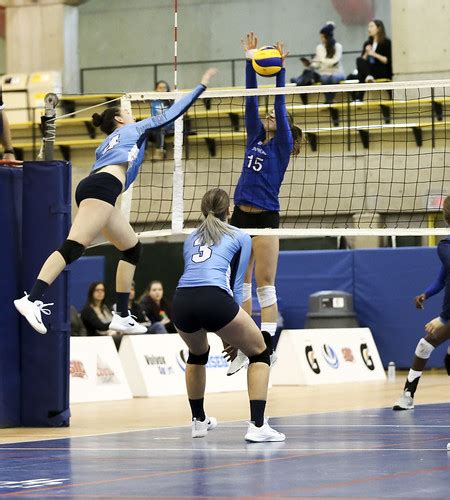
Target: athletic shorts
{"type": "Point", "coordinates": [254, 220]}
{"type": "Point", "coordinates": [203, 307]}
{"type": "Point", "coordinates": [101, 186]}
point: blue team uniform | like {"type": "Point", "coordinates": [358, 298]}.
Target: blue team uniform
{"type": "Point", "coordinates": [264, 164]}
{"type": "Point", "coordinates": [443, 279]}
{"type": "Point", "coordinates": [127, 144]}
{"type": "Point", "coordinates": [221, 265]}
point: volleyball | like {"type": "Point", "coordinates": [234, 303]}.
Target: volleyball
{"type": "Point", "coordinates": [267, 61]}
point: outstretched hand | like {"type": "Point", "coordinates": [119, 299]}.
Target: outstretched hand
{"type": "Point", "coordinates": [280, 47]}
{"type": "Point", "coordinates": [250, 42]}
{"type": "Point", "coordinates": [209, 73]}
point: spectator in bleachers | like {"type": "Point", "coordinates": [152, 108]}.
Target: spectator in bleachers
{"type": "Point", "coordinates": [96, 315]}
{"type": "Point", "coordinates": [326, 66]}
{"type": "Point", "coordinates": [77, 328]}
{"type": "Point", "coordinates": [375, 61]}
{"type": "Point", "coordinates": [157, 308]}
{"type": "Point", "coordinates": [158, 136]}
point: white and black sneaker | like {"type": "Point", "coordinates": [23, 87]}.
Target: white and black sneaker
{"type": "Point", "coordinates": [263, 434]}
{"type": "Point", "coordinates": [404, 402]}
{"type": "Point", "coordinates": [126, 325]}
{"type": "Point", "coordinates": [200, 428]}
{"type": "Point", "coordinates": [239, 362]}
{"type": "Point", "coordinates": [32, 311]}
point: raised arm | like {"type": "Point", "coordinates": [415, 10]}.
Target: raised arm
{"type": "Point", "coordinates": [239, 266]}
{"type": "Point", "coordinates": [283, 135]}
{"type": "Point", "coordinates": [253, 124]}
{"type": "Point", "coordinates": [180, 107]}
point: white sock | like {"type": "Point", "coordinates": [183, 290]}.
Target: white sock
{"type": "Point", "coordinates": [269, 327]}
{"type": "Point", "coordinates": [413, 374]}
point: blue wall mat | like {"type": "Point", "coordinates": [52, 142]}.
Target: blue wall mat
{"type": "Point", "coordinates": [386, 282]}
{"type": "Point", "coordinates": [82, 273]}
{"type": "Point", "coordinates": [10, 224]}
{"type": "Point", "coordinates": [302, 273]}
{"type": "Point", "coordinates": [45, 358]}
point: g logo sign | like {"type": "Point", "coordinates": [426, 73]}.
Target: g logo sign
{"type": "Point", "coordinates": [367, 358]}
{"type": "Point", "coordinates": [312, 361]}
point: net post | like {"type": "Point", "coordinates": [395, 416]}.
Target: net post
{"type": "Point", "coordinates": [127, 196]}
{"type": "Point", "coordinates": [178, 181]}
{"type": "Point", "coordinates": [49, 126]}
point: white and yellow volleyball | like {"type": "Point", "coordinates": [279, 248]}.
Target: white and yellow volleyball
{"type": "Point", "coordinates": [267, 61]}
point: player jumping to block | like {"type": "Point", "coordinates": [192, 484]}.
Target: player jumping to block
{"type": "Point", "coordinates": [437, 334]}
{"type": "Point", "coordinates": [270, 144]}
{"type": "Point", "coordinates": [118, 160]}
{"type": "Point", "coordinates": [208, 298]}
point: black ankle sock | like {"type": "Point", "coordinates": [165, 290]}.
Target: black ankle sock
{"type": "Point", "coordinates": [197, 409]}
{"type": "Point", "coordinates": [447, 363]}
{"type": "Point", "coordinates": [122, 303]}
{"type": "Point", "coordinates": [411, 386]}
{"type": "Point", "coordinates": [257, 408]}
{"type": "Point", "coordinates": [38, 290]}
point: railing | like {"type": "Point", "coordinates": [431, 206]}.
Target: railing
{"type": "Point", "coordinates": [156, 69]}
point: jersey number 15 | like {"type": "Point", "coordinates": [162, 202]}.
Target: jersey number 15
{"type": "Point", "coordinates": [257, 164]}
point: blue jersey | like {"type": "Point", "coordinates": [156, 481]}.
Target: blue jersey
{"type": "Point", "coordinates": [443, 279]}
{"type": "Point", "coordinates": [222, 265]}
{"type": "Point", "coordinates": [127, 144]}
{"type": "Point", "coordinates": [264, 164]}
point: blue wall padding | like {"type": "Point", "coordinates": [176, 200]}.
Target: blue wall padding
{"type": "Point", "coordinates": [45, 358]}
{"type": "Point", "coordinates": [386, 282]}
{"type": "Point", "coordinates": [82, 273]}
{"type": "Point", "coordinates": [10, 225]}
{"type": "Point", "coordinates": [300, 274]}
{"type": "Point", "coordinates": [383, 282]}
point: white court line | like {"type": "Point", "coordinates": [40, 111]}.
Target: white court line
{"type": "Point", "coordinates": [345, 425]}
{"type": "Point", "coordinates": [251, 447]}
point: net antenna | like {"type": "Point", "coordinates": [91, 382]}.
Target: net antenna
{"type": "Point", "coordinates": [49, 127]}
{"type": "Point", "coordinates": [366, 168]}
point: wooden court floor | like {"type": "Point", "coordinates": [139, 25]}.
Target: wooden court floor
{"type": "Point", "coordinates": [145, 413]}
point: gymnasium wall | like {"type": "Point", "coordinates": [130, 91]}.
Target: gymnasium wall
{"type": "Point", "coordinates": [209, 29]}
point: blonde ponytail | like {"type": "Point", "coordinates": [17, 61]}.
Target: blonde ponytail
{"type": "Point", "coordinates": [215, 206]}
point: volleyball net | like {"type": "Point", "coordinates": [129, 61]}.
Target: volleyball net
{"type": "Point", "coordinates": [372, 162]}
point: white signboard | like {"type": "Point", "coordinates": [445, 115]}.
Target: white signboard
{"type": "Point", "coordinates": [96, 372]}
{"type": "Point", "coordinates": [326, 356]}
{"type": "Point", "coordinates": [155, 365]}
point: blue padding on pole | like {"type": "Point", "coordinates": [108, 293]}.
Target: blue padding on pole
{"type": "Point", "coordinates": [300, 274]}
{"type": "Point", "coordinates": [386, 282]}
{"type": "Point", "coordinates": [82, 273]}
{"type": "Point", "coordinates": [10, 224]}
{"type": "Point", "coordinates": [45, 358]}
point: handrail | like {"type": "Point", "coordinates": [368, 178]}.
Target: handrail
{"type": "Point", "coordinates": [156, 66]}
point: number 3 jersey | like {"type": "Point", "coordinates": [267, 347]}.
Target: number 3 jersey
{"type": "Point", "coordinates": [127, 144]}
{"type": "Point", "coordinates": [264, 164]}
{"type": "Point", "coordinates": [222, 265]}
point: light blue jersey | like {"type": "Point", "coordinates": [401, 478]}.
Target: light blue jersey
{"type": "Point", "coordinates": [127, 144]}
{"type": "Point", "coordinates": [222, 265]}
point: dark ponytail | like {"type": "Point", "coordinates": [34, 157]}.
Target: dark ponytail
{"type": "Point", "coordinates": [106, 121]}
{"type": "Point", "coordinates": [297, 135]}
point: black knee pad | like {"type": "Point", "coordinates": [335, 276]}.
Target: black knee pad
{"type": "Point", "coordinates": [195, 359]}
{"type": "Point", "coordinates": [263, 357]}
{"type": "Point", "coordinates": [447, 363]}
{"type": "Point", "coordinates": [71, 251]}
{"type": "Point", "coordinates": [132, 255]}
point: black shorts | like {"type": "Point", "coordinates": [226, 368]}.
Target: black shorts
{"type": "Point", "coordinates": [207, 307]}
{"type": "Point", "coordinates": [101, 186]}
{"type": "Point", "coordinates": [254, 220]}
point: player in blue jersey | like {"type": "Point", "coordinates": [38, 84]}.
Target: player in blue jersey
{"type": "Point", "coordinates": [270, 144]}
{"type": "Point", "coordinates": [438, 329]}
{"type": "Point", "coordinates": [208, 298]}
{"type": "Point", "coordinates": [117, 163]}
